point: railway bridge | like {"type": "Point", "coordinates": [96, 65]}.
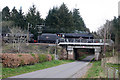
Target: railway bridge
{"type": "Point", "coordinates": [96, 44]}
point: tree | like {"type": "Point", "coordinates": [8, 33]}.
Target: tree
{"type": "Point", "coordinates": [116, 28]}
{"type": "Point", "coordinates": [6, 25]}
{"type": "Point", "coordinates": [21, 22]}
{"type": "Point", "coordinates": [14, 16]}
{"type": "Point", "coordinates": [66, 20]}
{"type": "Point", "coordinates": [5, 13]}
{"type": "Point", "coordinates": [52, 21]}
{"type": "Point", "coordinates": [107, 27]}
{"type": "Point", "coordinates": [0, 16]}
{"type": "Point", "coordinates": [18, 38]}
{"type": "Point", "coordinates": [33, 17]}
{"type": "Point", "coordinates": [60, 19]}
{"type": "Point", "coordinates": [78, 21]}
{"type": "Point", "coordinates": [112, 29]}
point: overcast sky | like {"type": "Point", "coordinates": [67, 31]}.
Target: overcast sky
{"type": "Point", "coordinates": [94, 12]}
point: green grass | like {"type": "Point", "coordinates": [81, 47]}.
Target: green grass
{"type": "Point", "coordinates": [0, 70]}
{"type": "Point", "coordinates": [82, 57]}
{"type": "Point", "coordinates": [8, 72]}
{"type": "Point", "coordinates": [95, 70]}
{"type": "Point", "coordinates": [114, 65]}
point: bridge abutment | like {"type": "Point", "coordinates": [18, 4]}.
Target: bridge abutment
{"type": "Point", "coordinates": [97, 53]}
{"type": "Point", "coordinates": [70, 52]}
{"type": "Point", "coordinates": [71, 55]}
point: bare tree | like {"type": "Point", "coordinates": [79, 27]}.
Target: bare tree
{"type": "Point", "coordinates": [100, 32]}
{"type": "Point", "coordinates": [108, 27]}
{"type": "Point", "coordinates": [18, 37]}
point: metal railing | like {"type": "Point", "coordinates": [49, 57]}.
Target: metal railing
{"type": "Point", "coordinates": [84, 40]}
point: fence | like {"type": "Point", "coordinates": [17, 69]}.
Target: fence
{"type": "Point", "coordinates": [110, 72]}
{"type": "Point", "coordinates": [85, 40]}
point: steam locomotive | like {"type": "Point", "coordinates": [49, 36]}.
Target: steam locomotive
{"type": "Point", "coordinates": [53, 38]}
{"type": "Point", "coordinates": [49, 37]}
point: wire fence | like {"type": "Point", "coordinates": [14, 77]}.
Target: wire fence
{"type": "Point", "coordinates": [110, 72]}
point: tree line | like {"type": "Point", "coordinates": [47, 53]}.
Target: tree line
{"type": "Point", "coordinates": [59, 20]}
{"type": "Point", "coordinates": [111, 30]}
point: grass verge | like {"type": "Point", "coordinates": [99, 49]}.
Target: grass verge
{"type": "Point", "coordinates": [8, 72]}
{"type": "Point", "coordinates": [116, 66]}
{"type": "Point", "coordinates": [95, 71]}
{"type": "Point", "coordinates": [0, 71]}
{"type": "Point", "coordinates": [83, 56]}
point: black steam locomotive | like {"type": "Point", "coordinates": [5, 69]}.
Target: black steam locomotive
{"type": "Point", "coordinates": [53, 38]}
{"type": "Point", "coordinates": [47, 38]}
{"type": "Point", "coordinates": [50, 38]}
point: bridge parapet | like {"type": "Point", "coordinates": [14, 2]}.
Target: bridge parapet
{"type": "Point", "coordinates": [85, 41]}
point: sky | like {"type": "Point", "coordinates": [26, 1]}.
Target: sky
{"type": "Point", "coordinates": [94, 12]}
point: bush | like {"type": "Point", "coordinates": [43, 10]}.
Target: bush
{"type": "Point", "coordinates": [53, 57]}
{"type": "Point", "coordinates": [63, 54]}
{"type": "Point", "coordinates": [42, 58]}
{"type": "Point", "coordinates": [49, 57]}
{"type": "Point", "coordinates": [15, 60]}
{"type": "Point", "coordinates": [0, 57]}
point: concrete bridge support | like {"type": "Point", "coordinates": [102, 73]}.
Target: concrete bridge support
{"type": "Point", "coordinates": [70, 54]}
{"type": "Point", "coordinates": [97, 53]}
{"type": "Point", "coordinates": [70, 50]}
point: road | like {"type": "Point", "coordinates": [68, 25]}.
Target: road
{"type": "Point", "coordinates": [61, 71]}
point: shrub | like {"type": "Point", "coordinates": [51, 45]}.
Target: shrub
{"type": "Point", "coordinates": [0, 57]}
{"type": "Point", "coordinates": [19, 55]}
{"type": "Point", "coordinates": [14, 60]}
{"type": "Point", "coordinates": [42, 58]}
{"type": "Point", "coordinates": [33, 55]}
{"type": "Point", "coordinates": [53, 57]}
{"type": "Point", "coordinates": [49, 57]}
{"type": "Point", "coordinates": [63, 54]}
{"type": "Point", "coordinates": [22, 62]}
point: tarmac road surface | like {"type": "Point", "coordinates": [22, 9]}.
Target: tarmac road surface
{"type": "Point", "coordinates": [61, 71]}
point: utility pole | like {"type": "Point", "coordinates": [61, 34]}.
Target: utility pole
{"type": "Point", "coordinates": [104, 55]}
{"type": "Point", "coordinates": [104, 41]}
{"type": "Point", "coordinates": [56, 58]}
{"type": "Point", "coordinates": [28, 34]}
{"type": "Point", "coordinates": [39, 29]}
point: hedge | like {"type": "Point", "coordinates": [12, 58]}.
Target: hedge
{"type": "Point", "coordinates": [53, 56]}
{"type": "Point", "coordinates": [16, 60]}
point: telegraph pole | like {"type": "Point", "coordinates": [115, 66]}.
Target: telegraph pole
{"type": "Point", "coordinates": [28, 34]}
{"type": "Point", "coordinates": [56, 57]}
{"type": "Point", "coordinates": [104, 41]}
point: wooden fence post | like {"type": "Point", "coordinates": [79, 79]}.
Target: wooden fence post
{"type": "Point", "coordinates": [114, 73]}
